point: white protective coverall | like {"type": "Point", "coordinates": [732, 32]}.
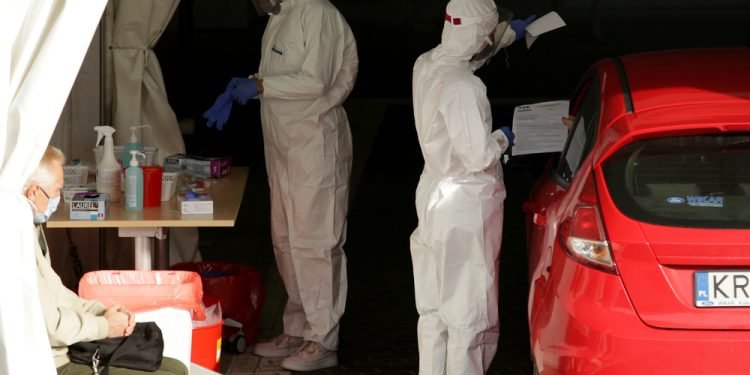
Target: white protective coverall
{"type": "Point", "coordinates": [308, 65]}
{"type": "Point", "coordinates": [459, 199]}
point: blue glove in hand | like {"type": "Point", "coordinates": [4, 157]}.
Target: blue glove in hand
{"type": "Point", "coordinates": [508, 134]}
{"type": "Point", "coordinates": [219, 113]}
{"type": "Point", "coordinates": [243, 89]}
{"type": "Point", "coordinates": [519, 26]}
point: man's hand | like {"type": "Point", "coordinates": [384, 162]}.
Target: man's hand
{"type": "Point", "coordinates": [244, 89]}
{"type": "Point", "coordinates": [131, 321]}
{"type": "Point", "coordinates": [519, 26]}
{"type": "Point", "coordinates": [568, 121]}
{"type": "Point", "coordinates": [509, 135]}
{"type": "Point", "coordinates": [118, 321]}
{"type": "Point", "coordinates": [219, 113]}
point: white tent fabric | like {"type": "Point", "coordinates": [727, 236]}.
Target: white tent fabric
{"type": "Point", "coordinates": [42, 45]}
{"type": "Point", "coordinates": [139, 95]}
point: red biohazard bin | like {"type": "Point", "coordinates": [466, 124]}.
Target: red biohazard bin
{"type": "Point", "coordinates": [238, 287]}
{"type": "Point", "coordinates": [206, 349]}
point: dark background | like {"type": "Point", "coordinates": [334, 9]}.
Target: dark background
{"type": "Point", "coordinates": [210, 41]}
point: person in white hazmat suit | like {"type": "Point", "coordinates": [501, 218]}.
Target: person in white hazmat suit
{"type": "Point", "coordinates": [308, 68]}
{"type": "Point", "coordinates": [459, 199]}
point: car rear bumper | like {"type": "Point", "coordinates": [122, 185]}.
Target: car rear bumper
{"type": "Point", "coordinates": [582, 322]}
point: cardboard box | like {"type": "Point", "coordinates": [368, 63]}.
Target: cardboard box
{"type": "Point", "coordinates": [70, 191]}
{"type": "Point", "coordinates": [197, 207]}
{"type": "Point", "coordinates": [199, 166]}
{"type": "Point", "coordinates": [89, 206]}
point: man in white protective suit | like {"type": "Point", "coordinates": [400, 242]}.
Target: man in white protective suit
{"type": "Point", "coordinates": [308, 68]}
{"type": "Point", "coordinates": [459, 199]}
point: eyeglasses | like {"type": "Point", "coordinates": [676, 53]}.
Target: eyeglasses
{"type": "Point", "coordinates": [45, 193]}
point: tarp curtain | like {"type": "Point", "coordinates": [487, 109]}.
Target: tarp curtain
{"type": "Point", "coordinates": [42, 46]}
{"type": "Point", "coordinates": [139, 94]}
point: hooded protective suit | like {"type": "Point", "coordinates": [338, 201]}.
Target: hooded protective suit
{"type": "Point", "coordinates": [308, 66]}
{"type": "Point", "coordinates": [459, 200]}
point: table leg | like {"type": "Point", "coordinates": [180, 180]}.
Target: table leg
{"type": "Point", "coordinates": [143, 237]}
{"type": "Point", "coordinates": [143, 253]}
{"type": "Point", "coordinates": [161, 251]}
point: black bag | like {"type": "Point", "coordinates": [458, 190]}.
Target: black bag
{"type": "Point", "coordinates": [142, 350]}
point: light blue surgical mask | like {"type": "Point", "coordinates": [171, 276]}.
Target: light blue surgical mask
{"type": "Point", "coordinates": [52, 203]}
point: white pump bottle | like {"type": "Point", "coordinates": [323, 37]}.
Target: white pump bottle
{"type": "Point", "coordinates": [108, 171]}
{"type": "Point", "coordinates": [133, 145]}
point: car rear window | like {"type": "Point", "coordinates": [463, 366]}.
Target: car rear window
{"type": "Point", "coordinates": [700, 181]}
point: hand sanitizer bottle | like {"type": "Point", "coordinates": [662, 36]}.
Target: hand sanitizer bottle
{"type": "Point", "coordinates": [133, 145]}
{"type": "Point", "coordinates": [134, 183]}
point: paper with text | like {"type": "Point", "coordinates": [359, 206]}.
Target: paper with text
{"type": "Point", "coordinates": [538, 127]}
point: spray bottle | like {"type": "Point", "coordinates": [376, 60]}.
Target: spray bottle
{"type": "Point", "coordinates": [108, 170]}
{"type": "Point", "coordinates": [134, 144]}
{"type": "Point", "coordinates": [134, 183]}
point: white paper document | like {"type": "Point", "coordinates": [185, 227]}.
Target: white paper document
{"type": "Point", "coordinates": [538, 127]}
{"type": "Point", "coordinates": [547, 22]}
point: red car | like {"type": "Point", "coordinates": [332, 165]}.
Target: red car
{"type": "Point", "coordinates": [639, 233]}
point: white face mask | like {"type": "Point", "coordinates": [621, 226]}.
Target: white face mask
{"type": "Point", "coordinates": [42, 217]}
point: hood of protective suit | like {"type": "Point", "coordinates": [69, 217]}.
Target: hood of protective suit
{"type": "Point", "coordinates": [468, 24]}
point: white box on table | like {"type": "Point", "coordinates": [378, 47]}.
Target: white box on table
{"type": "Point", "coordinates": [89, 206]}
{"type": "Point", "coordinates": [197, 207]}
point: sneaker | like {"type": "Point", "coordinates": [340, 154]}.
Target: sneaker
{"type": "Point", "coordinates": [281, 346]}
{"type": "Point", "coordinates": [310, 356]}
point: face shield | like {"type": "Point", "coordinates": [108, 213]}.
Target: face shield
{"type": "Point", "coordinates": [267, 7]}
{"type": "Point", "coordinates": [492, 41]}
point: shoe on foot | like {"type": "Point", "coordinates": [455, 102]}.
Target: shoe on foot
{"type": "Point", "coordinates": [281, 346]}
{"type": "Point", "coordinates": [310, 356]}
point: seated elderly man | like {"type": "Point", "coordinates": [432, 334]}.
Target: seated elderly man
{"type": "Point", "coordinates": [70, 319]}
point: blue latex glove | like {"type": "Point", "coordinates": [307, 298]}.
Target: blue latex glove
{"type": "Point", "coordinates": [508, 134]}
{"type": "Point", "coordinates": [243, 89]}
{"type": "Point", "coordinates": [519, 26]}
{"type": "Point", "coordinates": [219, 113]}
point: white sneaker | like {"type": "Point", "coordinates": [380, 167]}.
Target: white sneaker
{"type": "Point", "coordinates": [310, 356]}
{"type": "Point", "coordinates": [281, 346]}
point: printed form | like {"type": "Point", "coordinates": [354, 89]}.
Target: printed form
{"type": "Point", "coordinates": [538, 127]}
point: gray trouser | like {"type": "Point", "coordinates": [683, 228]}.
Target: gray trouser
{"type": "Point", "coordinates": [169, 366]}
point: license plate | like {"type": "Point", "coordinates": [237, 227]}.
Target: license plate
{"type": "Point", "coordinates": [722, 288]}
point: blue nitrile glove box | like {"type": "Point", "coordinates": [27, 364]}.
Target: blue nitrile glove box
{"type": "Point", "coordinates": [89, 206]}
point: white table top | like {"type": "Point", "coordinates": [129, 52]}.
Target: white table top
{"type": "Point", "coordinates": [226, 193]}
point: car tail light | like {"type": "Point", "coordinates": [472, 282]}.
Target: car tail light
{"type": "Point", "coordinates": [582, 232]}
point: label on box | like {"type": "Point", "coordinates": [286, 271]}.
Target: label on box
{"type": "Point", "coordinates": [89, 206]}
{"type": "Point", "coordinates": [197, 207]}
